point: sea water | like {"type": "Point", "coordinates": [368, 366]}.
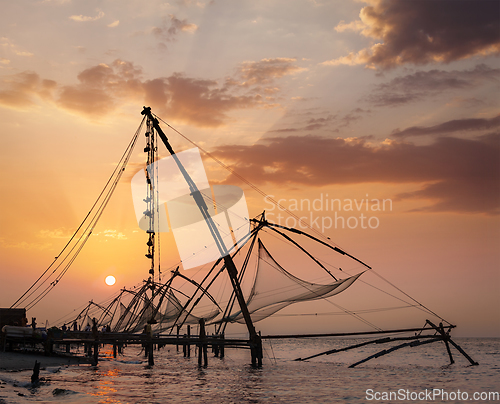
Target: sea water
{"type": "Point", "coordinates": [417, 374]}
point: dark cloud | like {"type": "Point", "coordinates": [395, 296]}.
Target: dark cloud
{"type": "Point", "coordinates": [425, 31]}
{"type": "Point", "coordinates": [417, 86]}
{"type": "Point", "coordinates": [353, 116]}
{"type": "Point", "coordinates": [455, 125]}
{"type": "Point", "coordinates": [171, 27]}
{"type": "Point", "coordinates": [458, 175]}
{"type": "Point", "coordinates": [311, 124]}
{"type": "Point", "coordinates": [330, 122]}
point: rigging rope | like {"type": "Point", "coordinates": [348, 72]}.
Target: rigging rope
{"type": "Point", "coordinates": [276, 203]}
{"type": "Point", "coordinates": [250, 184]}
{"type": "Point", "coordinates": [80, 242]}
{"type": "Point", "coordinates": [88, 231]}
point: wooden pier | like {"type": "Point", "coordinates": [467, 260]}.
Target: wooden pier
{"type": "Point", "coordinates": [92, 342]}
{"type": "Point", "coordinates": [62, 344]}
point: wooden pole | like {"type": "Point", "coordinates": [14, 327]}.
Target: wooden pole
{"type": "Point", "coordinates": [387, 351]}
{"type": "Point", "coordinates": [259, 351]}
{"type": "Point", "coordinates": [229, 263]}
{"type": "Point", "coordinates": [95, 359]}
{"type": "Point", "coordinates": [221, 355]}
{"type": "Point", "coordinates": [202, 346]}
{"type": "Point", "coordinates": [215, 347]}
{"type": "Point", "coordinates": [472, 361]}
{"type": "Point", "coordinates": [151, 360]}
{"type": "Point", "coordinates": [178, 332]}
{"type": "Point", "coordinates": [448, 339]}
{"type": "Point", "coordinates": [188, 347]}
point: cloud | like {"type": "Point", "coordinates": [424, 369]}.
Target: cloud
{"type": "Point", "coordinates": [266, 71]}
{"type": "Point", "coordinates": [61, 232]}
{"type": "Point", "coordinates": [329, 121]}
{"type": "Point", "coordinates": [456, 125]}
{"type": "Point", "coordinates": [309, 124]}
{"type": "Point", "coordinates": [195, 101]}
{"type": "Point", "coordinates": [8, 45]}
{"type": "Point", "coordinates": [84, 18]}
{"type": "Point", "coordinates": [4, 61]}
{"type": "Point", "coordinates": [417, 86]}
{"type": "Point", "coordinates": [423, 31]}
{"type": "Point", "coordinates": [457, 175]}
{"type": "Point", "coordinates": [114, 234]}
{"type": "Point", "coordinates": [23, 245]}
{"type": "Point", "coordinates": [103, 88]}
{"type": "Point", "coordinates": [114, 24]}
{"type": "Point", "coordinates": [55, 1]}
{"type": "Point", "coordinates": [189, 3]}
{"type": "Point", "coordinates": [171, 27]}
{"type": "Point", "coordinates": [23, 90]}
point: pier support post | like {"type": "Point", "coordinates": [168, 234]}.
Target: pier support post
{"type": "Point", "coordinates": [202, 345]}
{"type": "Point", "coordinates": [256, 350]}
{"type": "Point", "coordinates": [178, 332]}
{"type": "Point", "coordinates": [221, 354]}
{"type": "Point", "coordinates": [114, 350]}
{"type": "Point", "coordinates": [215, 347]}
{"type": "Point", "coordinates": [184, 346]}
{"type": "Point", "coordinates": [95, 359]}
{"type": "Point", "coordinates": [151, 360]}
{"type": "Point", "coordinates": [188, 347]}
{"type": "Point", "coordinates": [95, 334]}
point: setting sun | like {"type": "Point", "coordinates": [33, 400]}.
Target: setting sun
{"type": "Point", "coordinates": [110, 280]}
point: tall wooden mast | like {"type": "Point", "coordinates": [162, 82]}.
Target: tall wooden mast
{"type": "Point", "coordinates": [228, 261]}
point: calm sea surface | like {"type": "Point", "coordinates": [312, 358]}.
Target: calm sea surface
{"type": "Point", "coordinates": [411, 375]}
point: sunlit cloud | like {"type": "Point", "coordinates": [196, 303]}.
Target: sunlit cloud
{"type": "Point", "coordinates": [84, 18]}
{"type": "Point", "coordinates": [24, 245]}
{"type": "Point", "coordinates": [23, 90]}
{"type": "Point", "coordinates": [266, 71]}
{"type": "Point", "coordinates": [56, 233]}
{"type": "Point", "coordinates": [114, 24]}
{"type": "Point", "coordinates": [8, 45]}
{"type": "Point", "coordinates": [115, 234]}
{"type": "Point", "coordinates": [103, 88]}
{"type": "Point", "coordinates": [55, 1]}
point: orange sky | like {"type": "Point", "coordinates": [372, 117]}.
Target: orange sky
{"type": "Point", "coordinates": [304, 99]}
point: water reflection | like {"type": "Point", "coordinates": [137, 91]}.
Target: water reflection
{"type": "Point", "coordinates": [106, 386]}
